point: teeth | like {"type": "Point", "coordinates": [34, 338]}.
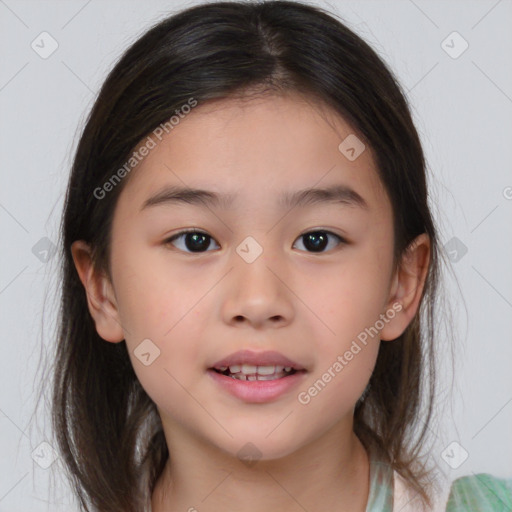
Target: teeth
{"type": "Point", "coordinates": [247, 369]}
{"type": "Point", "coordinates": [241, 376]}
{"type": "Point", "coordinates": [252, 372]}
{"type": "Point", "coordinates": [269, 370]}
{"type": "Point", "coordinates": [250, 369]}
{"type": "Point", "coordinates": [269, 377]}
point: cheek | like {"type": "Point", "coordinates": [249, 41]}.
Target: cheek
{"type": "Point", "coordinates": [332, 393]}
{"type": "Point", "coordinates": [175, 347]}
{"type": "Point", "coordinates": [152, 295]}
{"type": "Point", "coordinates": [349, 302]}
{"type": "Point", "coordinates": [160, 303]}
{"type": "Point", "coordinates": [350, 298]}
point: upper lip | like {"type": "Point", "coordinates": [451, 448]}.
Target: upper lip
{"type": "Point", "coordinates": [266, 358]}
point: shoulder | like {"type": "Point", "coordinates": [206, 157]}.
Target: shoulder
{"type": "Point", "coordinates": [480, 493]}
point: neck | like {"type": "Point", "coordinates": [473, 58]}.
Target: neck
{"type": "Point", "coordinates": [200, 477]}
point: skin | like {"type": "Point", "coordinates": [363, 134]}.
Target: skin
{"type": "Point", "coordinates": [200, 307]}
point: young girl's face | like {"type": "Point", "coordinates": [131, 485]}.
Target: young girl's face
{"type": "Point", "coordinates": [249, 280]}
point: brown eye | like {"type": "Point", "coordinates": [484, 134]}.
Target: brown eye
{"type": "Point", "coordinates": [191, 241]}
{"type": "Point", "coordinates": [317, 241]}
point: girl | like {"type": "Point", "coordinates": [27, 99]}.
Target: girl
{"type": "Point", "coordinates": [247, 253]}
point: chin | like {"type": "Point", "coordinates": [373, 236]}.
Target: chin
{"type": "Point", "coordinates": [253, 447]}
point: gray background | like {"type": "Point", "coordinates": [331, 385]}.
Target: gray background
{"type": "Point", "coordinates": [463, 110]}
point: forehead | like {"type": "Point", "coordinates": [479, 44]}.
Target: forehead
{"type": "Point", "coordinates": [258, 148]}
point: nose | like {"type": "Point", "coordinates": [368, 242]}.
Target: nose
{"type": "Point", "coordinates": [258, 294]}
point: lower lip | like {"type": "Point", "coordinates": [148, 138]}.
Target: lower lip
{"type": "Point", "coordinates": [257, 391]}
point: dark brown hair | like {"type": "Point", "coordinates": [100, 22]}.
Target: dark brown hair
{"type": "Point", "coordinates": [106, 426]}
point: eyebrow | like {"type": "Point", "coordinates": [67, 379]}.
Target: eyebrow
{"type": "Point", "coordinates": [335, 194]}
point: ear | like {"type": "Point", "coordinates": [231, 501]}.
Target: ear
{"type": "Point", "coordinates": [407, 287]}
{"type": "Point", "coordinates": [100, 294]}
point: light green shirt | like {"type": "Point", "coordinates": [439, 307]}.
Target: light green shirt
{"type": "Point", "coordinates": [472, 493]}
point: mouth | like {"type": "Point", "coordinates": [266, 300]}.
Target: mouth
{"type": "Point", "coordinates": [257, 377]}
{"type": "Point", "coordinates": [257, 384]}
{"type": "Point", "coordinates": [248, 365]}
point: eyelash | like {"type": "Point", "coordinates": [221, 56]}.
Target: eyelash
{"type": "Point", "coordinates": [185, 232]}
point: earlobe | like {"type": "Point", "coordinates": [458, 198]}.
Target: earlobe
{"type": "Point", "coordinates": [101, 299]}
{"type": "Point", "coordinates": [407, 287]}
